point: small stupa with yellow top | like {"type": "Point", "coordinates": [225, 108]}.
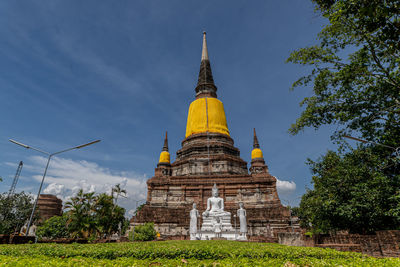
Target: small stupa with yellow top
{"type": "Point", "coordinates": [207, 157]}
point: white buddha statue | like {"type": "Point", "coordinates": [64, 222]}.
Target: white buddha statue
{"type": "Point", "coordinates": [194, 214]}
{"type": "Point", "coordinates": [241, 213]}
{"type": "Point", "coordinates": [215, 205]}
{"type": "Point", "coordinates": [215, 212]}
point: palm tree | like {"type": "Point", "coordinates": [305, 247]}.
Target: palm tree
{"type": "Point", "coordinates": [81, 213]}
{"type": "Point", "coordinates": [90, 214]}
{"type": "Point", "coordinates": [117, 189]}
{"type": "Point", "coordinates": [108, 215]}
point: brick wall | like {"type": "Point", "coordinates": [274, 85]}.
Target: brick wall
{"type": "Point", "coordinates": [381, 244]}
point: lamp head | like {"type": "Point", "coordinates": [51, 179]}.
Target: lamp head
{"type": "Point", "coordinates": [88, 144]}
{"type": "Point", "coordinates": [18, 143]}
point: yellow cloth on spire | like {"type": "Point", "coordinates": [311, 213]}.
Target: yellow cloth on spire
{"type": "Point", "coordinates": [164, 157]}
{"type": "Point", "coordinates": [206, 114]}
{"type": "Point", "coordinates": [256, 153]}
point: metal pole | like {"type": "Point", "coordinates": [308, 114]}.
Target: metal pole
{"type": "Point", "coordinates": [37, 197]}
{"type": "Point", "coordinates": [45, 171]}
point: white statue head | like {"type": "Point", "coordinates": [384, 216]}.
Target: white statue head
{"type": "Point", "coordinates": [215, 190]}
{"type": "Point", "coordinates": [241, 205]}
{"type": "Point", "coordinates": [194, 205]}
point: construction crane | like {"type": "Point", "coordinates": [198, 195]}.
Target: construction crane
{"type": "Point", "coordinates": [14, 183]}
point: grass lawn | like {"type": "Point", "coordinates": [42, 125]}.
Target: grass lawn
{"type": "Point", "coordinates": [181, 253]}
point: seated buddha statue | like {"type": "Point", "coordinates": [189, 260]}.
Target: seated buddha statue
{"type": "Point", "coordinates": [215, 205]}
{"type": "Point", "coordinates": [215, 214]}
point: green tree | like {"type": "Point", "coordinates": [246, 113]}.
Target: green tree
{"type": "Point", "coordinates": [351, 192]}
{"type": "Point", "coordinates": [356, 86]}
{"type": "Point", "coordinates": [109, 217]}
{"type": "Point", "coordinates": [294, 211]}
{"type": "Point", "coordinates": [14, 211]}
{"type": "Point", "coordinates": [91, 216]}
{"type": "Point", "coordinates": [355, 71]}
{"type": "Point", "coordinates": [81, 214]}
{"type": "Point", "coordinates": [119, 191]}
{"type": "Point", "coordinates": [54, 227]}
{"type": "Point", "coordinates": [125, 226]}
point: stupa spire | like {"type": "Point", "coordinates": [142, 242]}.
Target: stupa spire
{"type": "Point", "coordinates": [205, 84]}
{"type": "Point", "coordinates": [204, 52]}
{"type": "Point", "coordinates": [256, 153]}
{"type": "Point", "coordinates": [255, 140]}
{"type": "Point", "coordinates": [165, 147]}
{"type": "Point", "coordinates": [164, 155]}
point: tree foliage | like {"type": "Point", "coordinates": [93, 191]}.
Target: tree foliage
{"type": "Point", "coordinates": [14, 211]}
{"type": "Point", "coordinates": [145, 232]}
{"type": "Point", "coordinates": [54, 227]}
{"type": "Point", "coordinates": [81, 221]}
{"type": "Point", "coordinates": [109, 217]}
{"type": "Point", "coordinates": [91, 215]}
{"type": "Point", "coordinates": [355, 77]}
{"type": "Point", "coordinates": [119, 191]}
{"type": "Point", "coordinates": [351, 192]}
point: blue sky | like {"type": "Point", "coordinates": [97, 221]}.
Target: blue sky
{"type": "Point", "coordinates": [125, 71]}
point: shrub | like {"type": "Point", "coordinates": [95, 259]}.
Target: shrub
{"type": "Point", "coordinates": [145, 232]}
{"type": "Point", "coordinates": [180, 253]}
{"type": "Point", "coordinates": [130, 235]}
{"type": "Point", "coordinates": [55, 227]}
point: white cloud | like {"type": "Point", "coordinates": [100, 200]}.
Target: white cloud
{"type": "Point", "coordinates": [285, 187]}
{"type": "Point", "coordinates": [66, 176]}
{"type": "Point", "coordinates": [55, 189]}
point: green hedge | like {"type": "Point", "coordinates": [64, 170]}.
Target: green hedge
{"type": "Point", "coordinates": [225, 253]}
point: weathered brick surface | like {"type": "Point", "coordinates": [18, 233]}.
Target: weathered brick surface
{"type": "Point", "coordinates": [389, 242]}
{"type": "Point", "coordinates": [381, 244]}
{"type": "Point", "coordinates": [342, 247]}
{"type": "Point", "coordinates": [206, 159]}
{"type": "Point", "coordinates": [49, 206]}
{"type": "Point", "coordinates": [263, 239]}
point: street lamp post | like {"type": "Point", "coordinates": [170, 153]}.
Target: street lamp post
{"type": "Point", "coordinates": [45, 170]}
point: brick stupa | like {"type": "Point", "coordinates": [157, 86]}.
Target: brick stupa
{"type": "Point", "coordinates": [208, 156]}
{"type": "Point", "coordinates": [49, 206]}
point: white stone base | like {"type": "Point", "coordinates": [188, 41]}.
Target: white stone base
{"type": "Point", "coordinates": [207, 235]}
{"type": "Point", "coordinates": [229, 235]}
{"type": "Point", "coordinates": [209, 221]}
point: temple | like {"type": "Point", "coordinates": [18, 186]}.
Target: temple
{"type": "Point", "coordinates": [207, 157]}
